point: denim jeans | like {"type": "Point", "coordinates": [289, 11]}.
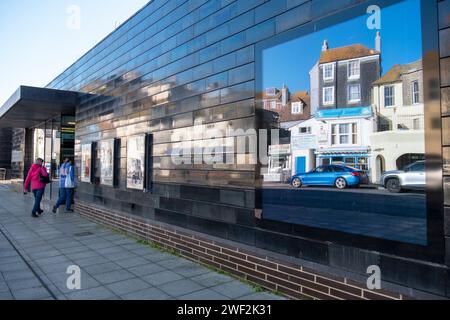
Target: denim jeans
{"type": "Point", "coordinates": [65, 196]}
{"type": "Point", "coordinates": [38, 194]}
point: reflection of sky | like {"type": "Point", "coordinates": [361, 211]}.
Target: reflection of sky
{"type": "Point", "coordinates": [290, 62]}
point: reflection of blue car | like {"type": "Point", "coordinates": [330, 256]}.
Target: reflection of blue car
{"type": "Point", "coordinates": [333, 175]}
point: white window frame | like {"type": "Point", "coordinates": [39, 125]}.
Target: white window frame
{"type": "Point", "coordinates": [297, 110]}
{"type": "Point", "coordinates": [349, 94]}
{"type": "Point", "coordinates": [331, 78]}
{"type": "Point", "coordinates": [328, 103]}
{"type": "Point", "coordinates": [393, 96]}
{"type": "Point", "coordinates": [349, 69]}
{"type": "Point", "coordinates": [414, 93]}
{"type": "Point", "coordinates": [350, 134]}
{"type": "Point", "coordinates": [308, 130]}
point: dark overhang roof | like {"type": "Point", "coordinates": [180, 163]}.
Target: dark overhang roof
{"type": "Point", "coordinates": [30, 106]}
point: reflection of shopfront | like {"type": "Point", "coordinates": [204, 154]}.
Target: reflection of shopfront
{"type": "Point", "coordinates": [279, 166]}
{"type": "Point", "coordinates": [356, 160]}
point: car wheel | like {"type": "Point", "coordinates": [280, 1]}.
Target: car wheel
{"type": "Point", "coordinates": [393, 185]}
{"type": "Point", "coordinates": [297, 183]}
{"type": "Point", "coordinates": [340, 183]}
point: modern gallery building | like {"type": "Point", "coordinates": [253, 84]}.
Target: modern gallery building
{"type": "Point", "coordinates": [168, 121]}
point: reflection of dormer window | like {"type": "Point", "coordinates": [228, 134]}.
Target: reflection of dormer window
{"type": "Point", "coordinates": [271, 92]}
{"type": "Point", "coordinates": [354, 69]}
{"type": "Point", "coordinates": [297, 107]}
{"type": "Point", "coordinates": [328, 72]}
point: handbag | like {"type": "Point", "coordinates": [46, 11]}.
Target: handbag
{"type": "Point", "coordinates": [69, 183]}
{"type": "Point", "coordinates": [44, 179]}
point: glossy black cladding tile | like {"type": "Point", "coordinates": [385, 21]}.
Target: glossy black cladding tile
{"type": "Point", "coordinates": [176, 205]}
{"type": "Point", "coordinates": [444, 14]}
{"type": "Point", "coordinates": [170, 217]}
{"type": "Point", "coordinates": [444, 42]}
{"type": "Point", "coordinates": [200, 193]}
{"type": "Point", "coordinates": [215, 228]}
{"type": "Point", "coordinates": [447, 252]}
{"type": "Point", "coordinates": [271, 241]}
{"type": "Point", "coordinates": [232, 197]}
{"type": "Point", "coordinates": [445, 72]}
{"type": "Point", "coordinates": [294, 17]}
{"type": "Point", "coordinates": [241, 234]}
{"type": "Point", "coordinates": [324, 7]}
{"type": "Point", "coordinates": [214, 212]}
{"type": "Point", "coordinates": [447, 221]}
{"type": "Point", "coordinates": [352, 259]}
{"type": "Point", "coordinates": [427, 277]}
{"type": "Point", "coordinates": [292, 246]}
{"type": "Point", "coordinates": [245, 217]}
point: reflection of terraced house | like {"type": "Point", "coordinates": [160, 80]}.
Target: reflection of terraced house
{"type": "Point", "coordinates": [341, 84]}
{"type": "Point", "coordinates": [398, 104]}
{"type": "Point", "coordinates": [291, 107]}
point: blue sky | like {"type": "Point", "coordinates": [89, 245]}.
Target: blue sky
{"type": "Point", "coordinates": [36, 44]}
{"type": "Point", "coordinates": [290, 62]}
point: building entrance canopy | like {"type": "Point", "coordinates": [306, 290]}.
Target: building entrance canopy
{"type": "Point", "coordinates": [30, 106]}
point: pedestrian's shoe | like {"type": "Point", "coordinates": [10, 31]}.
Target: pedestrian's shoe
{"type": "Point", "coordinates": [54, 209]}
{"type": "Point", "coordinates": [40, 212]}
{"type": "Point", "coordinates": [34, 215]}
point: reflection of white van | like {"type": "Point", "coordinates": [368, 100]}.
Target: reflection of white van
{"type": "Point", "coordinates": [411, 177]}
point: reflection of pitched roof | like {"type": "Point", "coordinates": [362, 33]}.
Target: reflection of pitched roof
{"type": "Point", "coordinates": [395, 73]}
{"type": "Point", "coordinates": [301, 95]}
{"type": "Point", "coordinates": [346, 53]}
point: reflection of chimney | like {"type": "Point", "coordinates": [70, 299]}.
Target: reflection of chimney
{"type": "Point", "coordinates": [284, 95]}
{"type": "Point", "coordinates": [325, 45]}
{"type": "Point", "coordinates": [378, 42]}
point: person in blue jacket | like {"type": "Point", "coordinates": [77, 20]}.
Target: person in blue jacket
{"type": "Point", "coordinates": [66, 186]}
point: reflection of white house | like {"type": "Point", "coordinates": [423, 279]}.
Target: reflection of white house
{"type": "Point", "coordinates": [398, 104]}
{"type": "Point", "coordinates": [345, 139]}
{"type": "Point", "coordinates": [337, 136]}
{"type": "Point", "coordinates": [341, 84]}
{"type": "Point", "coordinates": [304, 141]}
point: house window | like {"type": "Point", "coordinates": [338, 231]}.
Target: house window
{"type": "Point", "coordinates": [415, 92]}
{"type": "Point", "coordinates": [345, 133]}
{"type": "Point", "coordinates": [354, 93]}
{"type": "Point", "coordinates": [305, 130]}
{"type": "Point", "coordinates": [328, 72]}
{"type": "Point", "coordinates": [297, 108]}
{"type": "Point", "coordinates": [328, 95]}
{"type": "Point", "coordinates": [354, 69]}
{"type": "Point", "coordinates": [389, 96]}
{"type": "Point", "coordinates": [273, 104]}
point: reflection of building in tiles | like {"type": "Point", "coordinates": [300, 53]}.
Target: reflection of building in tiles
{"type": "Point", "coordinates": [399, 138]}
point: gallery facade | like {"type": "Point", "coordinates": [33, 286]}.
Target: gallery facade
{"type": "Point", "coordinates": [166, 121]}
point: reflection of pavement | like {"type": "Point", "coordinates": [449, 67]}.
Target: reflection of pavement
{"type": "Point", "coordinates": [376, 213]}
{"type": "Point", "coordinates": [365, 189]}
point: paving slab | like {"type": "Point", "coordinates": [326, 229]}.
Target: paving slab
{"type": "Point", "coordinates": [112, 265]}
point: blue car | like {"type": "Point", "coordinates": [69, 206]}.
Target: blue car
{"type": "Point", "coordinates": [339, 176]}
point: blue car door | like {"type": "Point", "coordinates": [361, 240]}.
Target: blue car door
{"type": "Point", "coordinates": [315, 177]}
{"type": "Point", "coordinates": [326, 176]}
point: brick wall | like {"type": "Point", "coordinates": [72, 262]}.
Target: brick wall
{"type": "Point", "coordinates": [294, 281]}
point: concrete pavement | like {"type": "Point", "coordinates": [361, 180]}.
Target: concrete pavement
{"type": "Point", "coordinates": [35, 255]}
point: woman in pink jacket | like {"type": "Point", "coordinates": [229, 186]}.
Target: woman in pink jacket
{"type": "Point", "coordinates": [37, 186]}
